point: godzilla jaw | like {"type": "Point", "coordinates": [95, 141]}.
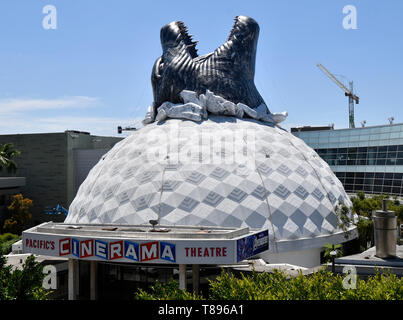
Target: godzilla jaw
{"type": "Point", "coordinates": [175, 36]}
{"type": "Point", "coordinates": [243, 28]}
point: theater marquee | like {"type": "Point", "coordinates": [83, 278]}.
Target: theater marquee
{"type": "Point", "coordinates": [157, 248]}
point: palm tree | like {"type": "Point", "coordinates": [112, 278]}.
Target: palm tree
{"type": "Point", "coordinates": [7, 153]}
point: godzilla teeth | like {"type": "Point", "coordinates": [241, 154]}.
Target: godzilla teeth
{"type": "Point", "coordinates": [235, 29]}
{"type": "Point", "coordinates": [188, 39]}
{"type": "Point", "coordinates": [191, 44]}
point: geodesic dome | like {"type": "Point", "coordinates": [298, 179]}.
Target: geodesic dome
{"type": "Point", "coordinates": [261, 177]}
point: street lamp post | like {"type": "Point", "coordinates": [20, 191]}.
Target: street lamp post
{"type": "Point", "coordinates": [333, 254]}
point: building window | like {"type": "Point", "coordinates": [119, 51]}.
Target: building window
{"type": "Point", "coordinates": [371, 182]}
{"type": "Point", "coordinates": [363, 156]}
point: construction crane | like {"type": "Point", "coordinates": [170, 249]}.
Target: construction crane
{"type": "Point", "coordinates": [348, 92]}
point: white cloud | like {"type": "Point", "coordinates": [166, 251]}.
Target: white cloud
{"type": "Point", "coordinates": [19, 115]}
{"type": "Point", "coordinates": [106, 126]}
{"type": "Point", "coordinates": [16, 105]}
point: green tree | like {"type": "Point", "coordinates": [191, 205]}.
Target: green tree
{"type": "Point", "coordinates": [168, 291]}
{"type": "Point", "coordinates": [363, 206]}
{"type": "Point", "coordinates": [346, 218]}
{"type": "Point", "coordinates": [397, 207]}
{"type": "Point", "coordinates": [6, 241]}
{"type": "Point", "coordinates": [20, 214]}
{"type": "Point", "coordinates": [5, 272]}
{"type": "Point", "coordinates": [24, 283]}
{"type": "Point", "coordinates": [321, 285]}
{"type": "Point", "coordinates": [7, 153]}
{"type": "Point", "coordinates": [365, 227]}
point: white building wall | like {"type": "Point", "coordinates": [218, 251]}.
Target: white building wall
{"type": "Point", "coordinates": [307, 258]}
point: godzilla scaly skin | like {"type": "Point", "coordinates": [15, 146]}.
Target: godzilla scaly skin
{"type": "Point", "coordinates": [228, 71]}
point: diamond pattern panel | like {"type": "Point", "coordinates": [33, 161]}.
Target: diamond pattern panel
{"type": "Point", "coordinates": [213, 199]}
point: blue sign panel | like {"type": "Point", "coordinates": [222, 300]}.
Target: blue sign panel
{"type": "Point", "coordinates": [132, 250]}
{"type": "Point", "coordinates": [252, 245]}
{"type": "Point", "coordinates": [167, 251]}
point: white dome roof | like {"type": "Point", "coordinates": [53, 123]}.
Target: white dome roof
{"type": "Point", "coordinates": [284, 186]}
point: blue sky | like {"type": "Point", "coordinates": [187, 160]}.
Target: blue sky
{"type": "Point", "coordinates": [93, 72]}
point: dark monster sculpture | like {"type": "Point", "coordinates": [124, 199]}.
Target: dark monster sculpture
{"type": "Point", "coordinates": [228, 71]}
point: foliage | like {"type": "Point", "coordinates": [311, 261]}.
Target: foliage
{"type": "Point", "coordinates": [365, 229]}
{"type": "Point", "coordinates": [345, 218]}
{"type": "Point", "coordinates": [364, 206]}
{"type": "Point", "coordinates": [20, 214]}
{"type": "Point", "coordinates": [329, 248]}
{"type": "Point", "coordinates": [24, 284]}
{"type": "Point", "coordinates": [5, 271]}
{"type": "Point", "coordinates": [322, 285]}
{"type": "Point", "coordinates": [273, 286]}
{"type": "Point", "coordinates": [397, 208]}
{"type": "Point", "coordinates": [6, 241]}
{"type": "Point", "coordinates": [168, 291]}
{"type": "Point", "coordinates": [7, 153]}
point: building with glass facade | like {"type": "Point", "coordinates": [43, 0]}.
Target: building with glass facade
{"type": "Point", "coordinates": [368, 159]}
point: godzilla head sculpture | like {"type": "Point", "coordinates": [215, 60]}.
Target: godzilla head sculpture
{"type": "Point", "coordinates": [188, 86]}
{"type": "Point", "coordinates": [228, 71]}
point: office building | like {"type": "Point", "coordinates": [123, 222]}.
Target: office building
{"type": "Point", "coordinates": [54, 165]}
{"type": "Point", "coordinates": [368, 159]}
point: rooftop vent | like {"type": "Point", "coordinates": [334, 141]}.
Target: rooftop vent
{"type": "Point", "coordinates": [385, 232]}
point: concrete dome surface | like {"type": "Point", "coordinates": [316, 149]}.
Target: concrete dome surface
{"type": "Point", "coordinates": [262, 177]}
